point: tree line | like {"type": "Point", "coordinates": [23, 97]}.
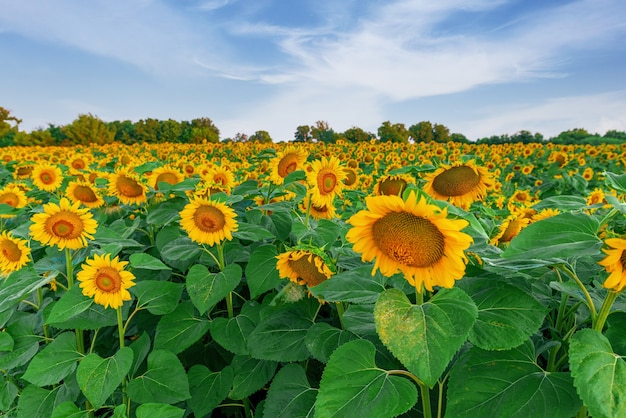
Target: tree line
{"type": "Point", "coordinates": [88, 129]}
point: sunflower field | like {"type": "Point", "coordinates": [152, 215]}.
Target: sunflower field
{"type": "Point", "coordinates": [289, 280]}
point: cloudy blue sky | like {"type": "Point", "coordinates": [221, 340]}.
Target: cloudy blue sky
{"type": "Point", "coordinates": [480, 67]}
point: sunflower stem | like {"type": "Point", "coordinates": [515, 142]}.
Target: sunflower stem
{"type": "Point", "coordinates": [69, 269]}
{"type": "Point", "coordinates": [340, 311]}
{"type": "Point", "coordinates": [121, 330]}
{"type": "Point", "coordinates": [589, 301]}
{"type": "Point", "coordinates": [605, 310]}
{"type": "Point", "coordinates": [39, 301]}
{"type": "Point", "coordinates": [220, 256]}
{"type": "Point", "coordinates": [425, 392]}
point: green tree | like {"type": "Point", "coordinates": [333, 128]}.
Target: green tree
{"type": "Point", "coordinates": [322, 132]}
{"type": "Point", "coordinates": [456, 137]}
{"type": "Point", "coordinates": [124, 131]}
{"type": "Point", "coordinates": [356, 134]}
{"type": "Point", "coordinates": [422, 132]}
{"type": "Point", "coordinates": [9, 127]}
{"type": "Point", "coordinates": [147, 131]}
{"type": "Point", "coordinates": [441, 133]}
{"type": "Point", "coordinates": [260, 136]}
{"type": "Point", "coordinates": [203, 129]}
{"type": "Point", "coordinates": [89, 129]}
{"type": "Point", "coordinates": [393, 133]}
{"type": "Point", "coordinates": [303, 134]}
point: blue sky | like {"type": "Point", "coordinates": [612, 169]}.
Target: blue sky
{"type": "Point", "coordinates": [480, 67]}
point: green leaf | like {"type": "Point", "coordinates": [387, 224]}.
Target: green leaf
{"type": "Point", "coordinates": [208, 389]}
{"type": "Point", "coordinates": [146, 261]}
{"type": "Point", "coordinates": [19, 285]}
{"type": "Point", "coordinates": [599, 374]}
{"type": "Point", "coordinates": [164, 381]}
{"type": "Point", "coordinates": [72, 303]}
{"type": "Point", "coordinates": [354, 386]}
{"type": "Point", "coordinates": [8, 393]}
{"type": "Point", "coordinates": [99, 377]}
{"type": "Point", "coordinates": [507, 316]}
{"type": "Point", "coordinates": [616, 329]}
{"type": "Point", "coordinates": [290, 394]}
{"type": "Point", "coordinates": [76, 311]}
{"type": "Point", "coordinates": [178, 330]}
{"type": "Point", "coordinates": [159, 410]}
{"type": "Point", "coordinates": [37, 402]}
{"type": "Point", "coordinates": [207, 289]}
{"type": "Point", "coordinates": [561, 236]}
{"type": "Point", "coordinates": [250, 375]}
{"type": "Point", "coordinates": [615, 181]}
{"type": "Point", "coordinates": [180, 253]}
{"type": "Point", "coordinates": [355, 286]}
{"type": "Point", "coordinates": [322, 340]}
{"type": "Point", "coordinates": [141, 348]}
{"type": "Point", "coordinates": [261, 273]}
{"type": "Point", "coordinates": [6, 342]}
{"type": "Point", "coordinates": [232, 334]}
{"type": "Point", "coordinates": [25, 341]}
{"type": "Point", "coordinates": [57, 360]}
{"type": "Point", "coordinates": [68, 409]}
{"type": "Point", "coordinates": [251, 232]}
{"type": "Point", "coordinates": [508, 384]}
{"type": "Point", "coordinates": [158, 297]}
{"type": "Point", "coordinates": [425, 337]}
{"type": "Point", "coordinates": [564, 203]}
{"type": "Point", "coordinates": [279, 336]}
{"type": "Point", "coordinates": [165, 212]}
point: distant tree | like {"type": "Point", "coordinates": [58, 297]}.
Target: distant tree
{"type": "Point", "coordinates": [58, 133]}
{"type": "Point", "coordinates": [572, 136]}
{"type": "Point", "coordinates": [615, 134]}
{"type": "Point", "coordinates": [456, 137]}
{"type": "Point", "coordinates": [203, 129]}
{"type": "Point", "coordinates": [441, 133]}
{"type": "Point", "coordinates": [241, 137]}
{"type": "Point", "coordinates": [393, 133]}
{"type": "Point", "coordinates": [260, 136]}
{"type": "Point", "coordinates": [422, 132]}
{"type": "Point", "coordinates": [124, 131]}
{"type": "Point", "coordinates": [356, 134]}
{"type": "Point", "coordinates": [169, 131]}
{"type": "Point", "coordinates": [9, 126]}
{"type": "Point", "coordinates": [302, 134]}
{"type": "Point", "coordinates": [88, 129]}
{"type": "Point", "coordinates": [147, 131]}
{"type": "Point", "coordinates": [322, 132]}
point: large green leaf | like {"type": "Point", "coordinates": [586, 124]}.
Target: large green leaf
{"type": "Point", "coordinates": [146, 261]}
{"type": "Point", "coordinates": [355, 286]}
{"type": "Point", "coordinates": [37, 402]}
{"type": "Point", "coordinates": [158, 297]}
{"type": "Point", "coordinates": [159, 410]}
{"type": "Point", "coordinates": [207, 289]}
{"type": "Point", "coordinates": [261, 273]}
{"type": "Point", "coordinates": [8, 393]}
{"type": "Point", "coordinates": [250, 375]}
{"type": "Point", "coordinates": [18, 285]}
{"type": "Point", "coordinates": [141, 348]}
{"type": "Point", "coordinates": [99, 377]}
{"type": "Point", "coordinates": [252, 232]}
{"type": "Point", "coordinates": [425, 337]}
{"type": "Point", "coordinates": [69, 409]}
{"type": "Point", "coordinates": [354, 386]}
{"type": "Point", "coordinates": [180, 253]}
{"type": "Point", "coordinates": [290, 394]}
{"type": "Point", "coordinates": [562, 202]}
{"type": "Point", "coordinates": [507, 316]}
{"type": "Point", "coordinates": [178, 330]}
{"type": "Point", "coordinates": [6, 342]}
{"type": "Point", "coordinates": [25, 341]}
{"type": "Point", "coordinates": [561, 236]}
{"type": "Point", "coordinates": [77, 311]}
{"type": "Point", "coordinates": [208, 389]}
{"type": "Point", "coordinates": [615, 181]}
{"type": "Point", "coordinates": [599, 374]}
{"type": "Point", "coordinates": [508, 384]}
{"type": "Point", "coordinates": [165, 380]}
{"type": "Point", "coordinates": [232, 334]}
{"type": "Point", "coordinates": [57, 360]}
{"type": "Point", "coordinates": [322, 339]}
{"type": "Point", "coordinates": [616, 330]}
{"type": "Point", "coordinates": [72, 303]}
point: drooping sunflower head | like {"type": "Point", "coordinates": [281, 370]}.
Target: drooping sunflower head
{"type": "Point", "coordinates": [14, 253]}
{"type": "Point", "coordinates": [317, 211]}
{"type": "Point", "coordinates": [23, 171]}
{"type": "Point", "coordinates": [509, 229]}
{"type": "Point", "coordinates": [13, 196]}
{"type": "Point", "coordinates": [288, 160]}
{"type": "Point", "coordinates": [615, 264]}
{"type": "Point", "coordinates": [85, 193]}
{"type": "Point", "coordinates": [413, 237]}
{"type": "Point", "coordinates": [65, 225]}
{"type": "Point", "coordinates": [105, 280]}
{"type": "Point", "coordinates": [325, 179]}
{"type": "Point", "coordinates": [392, 184]}
{"type": "Point", "coordinates": [304, 267]}
{"type": "Point", "coordinates": [545, 214]}
{"type": "Point", "coordinates": [351, 181]}
{"type": "Point", "coordinates": [47, 177]}
{"type": "Point", "coordinates": [127, 187]}
{"type": "Point", "coordinates": [208, 222]}
{"type": "Point", "coordinates": [166, 174]}
{"type": "Point", "coordinates": [460, 183]}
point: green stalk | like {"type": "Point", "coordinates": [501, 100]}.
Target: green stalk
{"type": "Point", "coordinates": [424, 390]}
{"type": "Point", "coordinates": [605, 310]}
{"type": "Point", "coordinates": [120, 331]}
{"type": "Point", "coordinates": [340, 312]}
{"type": "Point", "coordinates": [589, 301]}
{"type": "Point", "coordinates": [69, 268]}
{"type": "Point", "coordinates": [39, 301]}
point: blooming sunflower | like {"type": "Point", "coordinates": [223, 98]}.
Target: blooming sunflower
{"type": "Point", "coordinates": [13, 196]}
{"type": "Point", "coordinates": [220, 178]}
{"type": "Point", "coordinates": [326, 180]}
{"type": "Point", "coordinates": [166, 174]}
{"type": "Point", "coordinates": [47, 177]}
{"type": "Point", "coordinates": [416, 238]}
{"type": "Point", "coordinates": [303, 267]}
{"type": "Point", "coordinates": [14, 253]}
{"type": "Point", "coordinates": [106, 280]}
{"type": "Point", "coordinates": [392, 185]}
{"type": "Point", "coordinates": [318, 212]}
{"type": "Point", "coordinates": [615, 264]}
{"type": "Point", "coordinates": [509, 229]}
{"type": "Point", "coordinates": [459, 183]}
{"type": "Point", "coordinates": [85, 193]}
{"type": "Point", "coordinates": [290, 159]}
{"type": "Point", "coordinates": [207, 221]}
{"type": "Point", "coordinates": [126, 187]}
{"type": "Point", "coordinates": [65, 225]}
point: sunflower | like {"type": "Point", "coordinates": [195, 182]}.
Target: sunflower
{"type": "Point", "coordinates": [126, 187]}
{"type": "Point", "coordinates": [416, 238]}
{"type": "Point", "coordinates": [290, 159]}
{"type": "Point", "coordinates": [14, 253]}
{"type": "Point", "coordinates": [392, 185]}
{"type": "Point", "coordinates": [509, 229]}
{"type": "Point", "coordinates": [304, 267]}
{"type": "Point", "coordinates": [85, 193]}
{"type": "Point", "coordinates": [47, 177]}
{"type": "Point", "coordinates": [459, 183]}
{"type": "Point", "coordinates": [220, 178]}
{"type": "Point", "coordinates": [13, 196]}
{"type": "Point", "coordinates": [318, 212]}
{"type": "Point", "coordinates": [326, 180]}
{"type": "Point", "coordinates": [106, 280]}
{"type": "Point", "coordinates": [545, 214]}
{"type": "Point", "coordinates": [615, 264]}
{"type": "Point", "coordinates": [65, 225]}
{"type": "Point", "coordinates": [166, 174]}
{"type": "Point", "coordinates": [207, 221]}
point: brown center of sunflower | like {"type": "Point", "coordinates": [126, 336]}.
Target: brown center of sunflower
{"type": "Point", "coordinates": [78, 164]}
{"type": "Point", "coordinates": [10, 251]}
{"type": "Point", "coordinates": [392, 187]}
{"type": "Point", "coordinates": [24, 171]}
{"type": "Point", "coordinates": [511, 231]}
{"type": "Point", "coordinates": [209, 218]}
{"type": "Point", "coordinates": [287, 164]}
{"type": "Point", "coordinates": [108, 280]}
{"type": "Point", "coordinates": [66, 225]}
{"type": "Point", "coordinates": [622, 259]}
{"type": "Point", "coordinates": [47, 177]}
{"type": "Point", "coordinates": [167, 178]}
{"type": "Point", "coordinates": [129, 187]}
{"type": "Point", "coordinates": [10, 199]}
{"type": "Point", "coordinates": [409, 239]}
{"type": "Point", "coordinates": [307, 270]}
{"type": "Point", "coordinates": [85, 194]}
{"type": "Point", "coordinates": [326, 182]}
{"type": "Point", "coordinates": [220, 179]}
{"type": "Point", "coordinates": [456, 181]}
{"type": "Point", "coordinates": [350, 177]}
